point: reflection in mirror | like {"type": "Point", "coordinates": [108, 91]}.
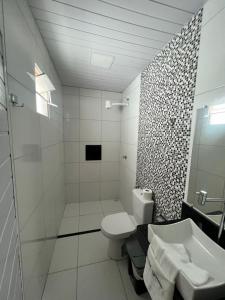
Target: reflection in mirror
{"type": "Point", "coordinates": [207, 174]}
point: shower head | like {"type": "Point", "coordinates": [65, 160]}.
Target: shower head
{"type": "Point", "coordinates": [109, 104]}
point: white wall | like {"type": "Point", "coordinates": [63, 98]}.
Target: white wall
{"type": "Point", "coordinates": [86, 122]}
{"type": "Point", "coordinates": [129, 140]}
{"type": "Point", "coordinates": [210, 85]}
{"type": "Point", "coordinates": [38, 147]}
{"type": "Point", "coordinates": [10, 271]}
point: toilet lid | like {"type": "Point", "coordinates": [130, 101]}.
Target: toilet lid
{"type": "Point", "coordinates": [118, 226]}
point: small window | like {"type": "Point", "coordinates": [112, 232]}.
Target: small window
{"type": "Point", "coordinates": [217, 114]}
{"type": "Point", "coordinates": [43, 87]}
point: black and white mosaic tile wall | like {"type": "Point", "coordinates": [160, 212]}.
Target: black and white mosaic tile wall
{"type": "Point", "coordinates": [167, 96]}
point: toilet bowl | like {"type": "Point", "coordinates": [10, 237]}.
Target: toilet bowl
{"type": "Point", "coordinates": [118, 227]}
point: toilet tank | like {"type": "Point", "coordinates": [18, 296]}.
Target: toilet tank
{"type": "Point", "coordinates": [142, 208]}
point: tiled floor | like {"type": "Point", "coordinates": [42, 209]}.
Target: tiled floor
{"type": "Point", "coordinates": [80, 268]}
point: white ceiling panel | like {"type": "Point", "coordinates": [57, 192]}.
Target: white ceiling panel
{"type": "Point", "coordinates": [131, 31]}
{"type": "Point", "coordinates": [95, 19]}
{"type": "Point", "coordinates": [78, 26]}
{"type": "Point", "coordinates": [152, 9]}
{"type": "Point", "coordinates": [51, 36]}
{"type": "Point", "coordinates": [120, 60]}
{"type": "Point", "coordinates": [116, 13]}
{"type": "Point", "coordinates": [185, 5]}
{"type": "Point", "coordinates": [132, 47]}
{"type": "Point", "coordinates": [78, 67]}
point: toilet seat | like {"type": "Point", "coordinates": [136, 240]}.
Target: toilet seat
{"type": "Point", "coordinates": [118, 226]}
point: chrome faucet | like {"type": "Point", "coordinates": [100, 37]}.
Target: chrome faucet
{"type": "Point", "coordinates": [203, 198]}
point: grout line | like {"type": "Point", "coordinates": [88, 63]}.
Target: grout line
{"type": "Point", "coordinates": [102, 149]}
{"type": "Point", "coordinates": [79, 163]}
{"type": "Point", "coordinates": [102, 207]}
{"type": "Point", "coordinates": [122, 281]}
{"type": "Point", "coordinates": [62, 270]}
{"type": "Point", "coordinates": [95, 263]}
{"type": "Point", "coordinates": [77, 257]}
{"type": "Point", "coordinates": [91, 214]}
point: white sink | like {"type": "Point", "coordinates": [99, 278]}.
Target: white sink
{"type": "Point", "coordinates": [202, 251]}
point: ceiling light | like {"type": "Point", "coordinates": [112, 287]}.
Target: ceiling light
{"type": "Point", "coordinates": [102, 61]}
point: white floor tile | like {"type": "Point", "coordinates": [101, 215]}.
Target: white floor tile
{"type": "Point", "coordinates": [130, 292]}
{"type": "Point", "coordinates": [111, 206]}
{"type": "Point", "coordinates": [69, 225]}
{"type": "Point", "coordinates": [65, 254]}
{"type": "Point", "coordinates": [92, 248]}
{"type": "Point", "coordinates": [93, 207]}
{"type": "Point", "coordinates": [89, 222]}
{"type": "Point", "coordinates": [100, 281]}
{"type": "Point", "coordinates": [71, 210]}
{"type": "Point", "coordinates": [61, 285]}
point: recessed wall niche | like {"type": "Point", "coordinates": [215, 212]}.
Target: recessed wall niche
{"type": "Point", "coordinates": [93, 152]}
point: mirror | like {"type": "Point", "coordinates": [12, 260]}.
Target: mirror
{"type": "Point", "coordinates": [207, 173]}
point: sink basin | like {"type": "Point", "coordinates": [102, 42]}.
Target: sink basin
{"type": "Point", "coordinates": [202, 251]}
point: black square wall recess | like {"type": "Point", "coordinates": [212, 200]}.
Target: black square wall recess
{"type": "Point", "coordinates": [93, 152]}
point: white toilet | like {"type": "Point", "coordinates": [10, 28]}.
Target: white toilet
{"type": "Point", "coordinates": [118, 227]}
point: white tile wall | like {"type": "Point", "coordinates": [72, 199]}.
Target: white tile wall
{"type": "Point", "coordinates": [89, 172]}
{"type": "Point", "coordinates": [71, 129]}
{"type": "Point", "coordinates": [72, 191]}
{"type": "Point", "coordinates": [72, 173]}
{"type": "Point", "coordinates": [89, 191]}
{"type": "Point", "coordinates": [10, 271]}
{"type": "Point", "coordinates": [110, 151]}
{"type": "Point", "coordinates": [109, 190]}
{"type": "Point", "coordinates": [110, 131]}
{"type": "Point", "coordinates": [90, 108]}
{"type": "Point", "coordinates": [95, 180]}
{"type": "Point", "coordinates": [211, 74]}
{"type": "Point", "coordinates": [71, 152]}
{"type": "Point", "coordinates": [212, 8]}
{"type": "Point", "coordinates": [21, 61]}
{"type": "Point", "coordinates": [38, 148]}
{"type": "Point", "coordinates": [90, 130]}
{"type": "Point", "coordinates": [71, 105]}
{"type": "Point", "coordinates": [109, 171]}
{"type": "Point", "coordinates": [129, 140]}
{"type": "Point", "coordinates": [90, 93]}
{"type": "Point", "coordinates": [30, 140]}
